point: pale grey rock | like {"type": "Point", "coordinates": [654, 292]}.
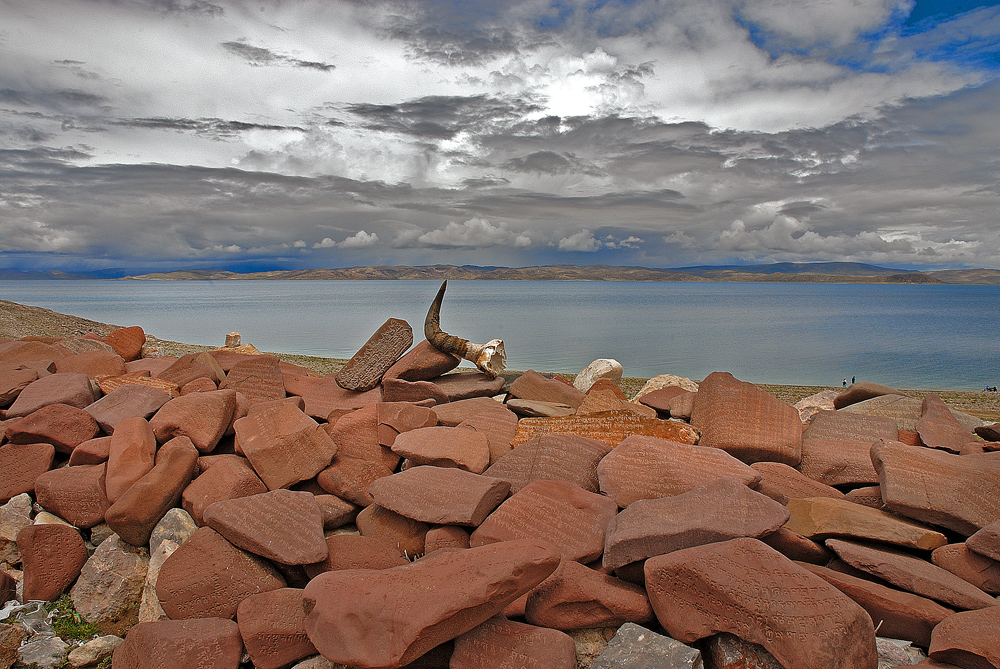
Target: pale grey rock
{"type": "Point", "coordinates": [150, 610]}
{"type": "Point", "coordinates": [176, 525]}
{"type": "Point", "coordinates": [93, 652]}
{"type": "Point", "coordinates": [590, 643]}
{"type": "Point", "coordinates": [602, 368]}
{"type": "Point", "coordinates": [635, 647]}
{"type": "Point", "coordinates": [15, 515]}
{"type": "Point", "coordinates": [45, 652]}
{"type": "Point", "coordinates": [110, 583]}
{"type": "Point", "coordinates": [897, 653]}
{"type": "Point", "coordinates": [812, 405]}
{"type": "Point", "coordinates": [728, 650]}
{"type": "Point", "coordinates": [46, 518]}
{"type": "Point", "coordinates": [316, 662]}
{"type": "Point", "coordinates": [665, 381]}
{"type": "Point", "coordinates": [100, 532]}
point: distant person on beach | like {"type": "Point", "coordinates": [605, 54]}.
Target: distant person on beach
{"type": "Point", "coordinates": [852, 380]}
{"type": "Point", "coordinates": [845, 381]}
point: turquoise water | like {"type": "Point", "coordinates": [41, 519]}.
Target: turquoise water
{"type": "Point", "coordinates": [811, 334]}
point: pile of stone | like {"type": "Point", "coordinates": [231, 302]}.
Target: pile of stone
{"type": "Point", "coordinates": [229, 509]}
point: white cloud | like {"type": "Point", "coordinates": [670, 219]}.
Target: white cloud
{"type": "Point", "coordinates": [359, 240]}
{"type": "Point", "coordinates": [474, 233]}
{"type": "Point", "coordinates": [299, 244]}
{"type": "Point", "coordinates": [580, 241]}
{"type": "Point", "coordinates": [327, 243]}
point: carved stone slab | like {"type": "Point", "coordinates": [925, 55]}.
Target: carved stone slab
{"type": "Point", "coordinates": [354, 551]}
{"type": "Point", "coordinates": [912, 574]}
{"type": "Point", "coordinates": [446, 536]}
{"type": "Point", "coordinates": [459, 386]}
{"type": "Point", "coordinates": [453, 413]}
{"type": "Point", "coordinates": [898, 614]}
{"type": "Point", "coordinates": [284, 445]}
{"type": "Point", "coordinates": [904, 410]}
{"type": "Point", "coordinates": [499, 428]}
{"type": "Point", "coordinates": [21, 464]}
{"type": "Point", "coordinates": [272, 625]}
{"type": "Point", "coordinates": [336, 512]}
{"type": "Point", "coordinates": [349, 478]}
{"type": "Point", "coordinates": [554, 457]}
{"type": "Point", "coordinates": [388, 618]}
{"type": "Point", "coordinates": [422, 363]}
{"type": "Point", "coordinates": [209, 577]}
{"type": "Point", "coordinates": [746, 588]}
{"type": "Point", "coordinates": [365, 369]}
{"type": "Point", "coordinates": [499, 642]}
{"type": "Point", "coordinates": [960, 492]}
{"type": "Point", "coordinates": [781, 483]}
{"type": "Point", "coordinates": [823, 517]}
{"type": "Point", "coordinates": [398, 390]}
{"type": "Point", "coordinates": [203, 642]}
{"type": "Point", "coordinates": [258, 378]}
{"type": "Point", "coordinates": [461, 447]}
{"type": "Point", "coordinates": [92, 363]}
{"type": "Point", "coordinates": [796, 547]}
{"type": "Point", "coordinates": [127, 342]}
{"type": "Point", "coordinates": [72, 389]}
{"type": "Point", "coordinates": [611, 428]}
{"type": "Point", "coordinates": [859, 392]}
{"type": "Point", "coordinates": [394, 418]}
{"type": "Point", "coordinates": [201, 417]}
{"type": "Point", "coordinates": [75, 494]}
{"type": "Point", "coordinates": [660, 399]}
{"type": "Point", "coordinates": [440, 495]}
{"type": "Point", "coordinates": [836, 446]}
{"type": "Point", "coordinates": [357, 435]}
{"type": "Point", "coordinates": [231, 476]}
{"type": "Point", "coordinates": [406, 534]}
{"type": "Point", "coordinates": [325, 397]}
{"type": "Point", "coordinates": [967, 639]}
{"type": "Point", "coordinates": [602, 401]}
{"type": "Point", "coordinates": [51, 558]}
{"type": "Point", "coordinates": [938, 428]}
{"type": "Point", "coordinates": [533, 386]}
{"type": "Point", "coordinates": [13, 379]}
{"type": "Point", "coordinates": [281, 525]}
{"type": "Point", "coordinates": [715, 511]}
{"type": "Point", "coordinates": [745, 421]}
{"type": "Point", "coordinates": [647, 468]}
{"type": "Point", "coordinates": [560, 512]}
{"type": "Point", "coordinates": [109, 384]}
{"type": "Point", "coordinates": [539, 409]}
{"type": "Point", "coordinates": [986, 541]}
{"type": "Point", "coordinates": [980, 571]}
{"type": "Point", "coordinates": [130, 455]}
{"type": "Point", "coordinates": [127, 401]}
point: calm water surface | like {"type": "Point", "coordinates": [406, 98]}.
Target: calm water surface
{"type": "Point", "coordinates": [811, 334]}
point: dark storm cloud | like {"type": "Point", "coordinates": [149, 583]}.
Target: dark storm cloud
{"type": "Point", "coordinates": [57, 100]}
{"type": "Point", "coordinates": [549, 162]}
{"type": "Point", "coordinates": [442, 117]}
{"type": "Point", "coordinates": [212, 127]}
{"type": "Point", "coordinates": [261, 57]}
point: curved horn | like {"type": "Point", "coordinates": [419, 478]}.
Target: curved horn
{"type": "Point", "coordinates": [490, 357]}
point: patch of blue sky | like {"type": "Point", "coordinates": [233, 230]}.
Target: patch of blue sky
{"type": "Point", "coordinates": [943, 9]}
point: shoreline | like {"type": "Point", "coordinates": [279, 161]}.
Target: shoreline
{"type": "Point", "coordinates": [18, 320]}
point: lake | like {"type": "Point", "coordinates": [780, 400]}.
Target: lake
{"type": "Point", "coordinates": [907, 336]}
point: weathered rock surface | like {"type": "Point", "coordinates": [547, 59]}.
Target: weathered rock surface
{"type": "Point", "coordinates": [440, 495]}
{"type": "Point", "coordinates": [836, 447]}
{"type": "Point", "coordinates": [460, 447]}
{"type": "Point", "coordinates": [504, 643]}
{"type": "Point", "coordinates": [969, 566]}
{"type": "Point", "coordinates": [61, 425]}
{"type": "Point", "coordinates": [859, 392]}
{"type": "Point", "coordinates": [350, 478]}
{"type": "Point", "coordinates": [577, 597]}
{"type": "Point", "coordinates": [354, 551]}
{"type": "Point", "coordinates": [639, 648]}
{"type": "Point", "coordinates": [202, 642]}
{"type": "Point", "coordinates": [938, 428]}
{"type": "Point", "coordinates": [986, 541]}
{"type": "Point", "coordinates": [824, 517]}
{"type": "Point", "coordinates": [404, 533]}
{"type": "Point", "coordinates": [75, 494]}
{"type": "Point", "coordinates": [21, 465]}
{"type": "Point", "coordinates": [782, 483]}
{"type": "Point", "coordinates": [131, 454]}
{"type": "Point", "coordinates": [968, 639]}
{"type": "Point", "coordinates": [283, 444]}
{"type": "Point", "coordinates": [554, 457]}
{"type": "Point", "coordinates": [201, 417]}
{"type": "Point", "coordinates": [127, 401]}
{"type": "Point", "coordinates": [230, 476]}
{"type": "Point", "coordinates": [110, 583]}
{"type": "Point", "coordinates": [423, 362]}
{"type": "Point", "coordinates": [365, 369]}
{"type": "Point", "coordinates": [602, 368]}
{"type": "Point", "coordinates": [272, 626]}
{"type": "Point", "coordinates": [612, 428]}
{"type": "Point", "coordinates": [533, 386]}
{"type": "Point", "coordinates": [258, 378]}
{"type": "Point", "coordinates": [51, 558]}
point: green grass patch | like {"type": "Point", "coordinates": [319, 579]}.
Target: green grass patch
{"type": "Point", "coordinates": [67, 623]}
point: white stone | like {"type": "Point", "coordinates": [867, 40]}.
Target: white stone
{"type": "Point", "coordinates": [176, 525]}
{"type": "Point", "coordinates": [812, 405]}
{"type": "Point", "coordinates": [111, 581]}
{"type": "Point", "coordinates": [150, 610]}
{"type": "Point", "coordinates": [93, 651]}
{"type": "Point", "coordinates": [665, 381]}
{"type": "Point", "coordinates": [602, 368]}
{"type": "Point", "coordinates": [46, 518]}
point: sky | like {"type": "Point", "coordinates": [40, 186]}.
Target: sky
{"type": "Point", "coordinates": [153, 135]}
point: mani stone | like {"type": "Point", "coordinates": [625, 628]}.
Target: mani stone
{"type": "Point", "coordinates": [499, 642]}
{"type": "Point", "coordinates": [960, 492]}
{"type": "Point", "coordinates": [836, 447]}
{"type": "Point", "coordinates": [422, 363]}
{"type": "Point", "coordinates": [325, 397]}
{"type": "Point", "coordinates": [51, 559]}
{"type": "Point", "coordinates": [499, 428]}
{"type": "Point", "coordinates": [131, 454]}
{"type": "Point", "coordinates": [986, 541]}
{"type": "Point", "coordinates": [258, 378]}
{"type": "Point", "coordinates": [637, 647]}
{"type": "Point", "coordinates": [577, 597]}
{"type": "Point", "coordinates": [904, 410]}
{"type": "Point", "coordinates": [281, 525]}
{"type": "Point", "coordinates": [600, 401]}
{"type": "Point", "coordinates": [231, 476]}
{"type": "Point", "coordinates": [896, 614]}
{"type": "Point", "coordinates": [533, 386]}
{"type": "Point", "coordinates": [357, 435]}
{"type": "Point", "coordinates": [968, 639]}
{"type": "Point", "coordinates": [554, 457]}
{"type": "Point", "coordinates": [820, 518]}
{"type": "Point", "coordinates": [203, 642]}
{"type": "Point", "coordinates": [395, 418]}
{"type": "Point", "coordinates": [21, 464]}
{"type": "Point", "coordinates": [404, 533]}
{"type": "Point", "coordinates": [14, 379]}
{"type": "Point", "coordinates": [137, 512]}
{"type": "Point", "coordinates": [440, 495]}
{"type": "Point", "coordinates": [446, 536]}
{"type": "Point", "coordinates": [201, 417]}
{"type": "Point", "coordinates": [782, 483]}
{"type": "Point", "coordinates": [387, 618]}
{"type": "Point", "coordinates": [912, 574]}
{"type": "Point", "coordinates": [127, 342]}
{"type": "Point", "coordinates": [272, 625]}
{"type": "Point", "coordinates": [75, 494]}
{"type": "Point", "coordinates": [365, 369]}
{"type": "Point", "coordinates": [110, 583]}
{"type": "Point", "coordinates": [562, 513]}
{"type": "Point", "coordinates": [127, 401]}
{"type": "Point", "coordinates": [611, 428]}
{"type": "Point", "coordinates": [746, 588]}
{"type": "Point", "coordinates": [539, 409]}
{"type": "Point", "coordinates": [867, 496]}
{"type": "Point", "coordinates": [283, 445]}
{"type": "Point", "coordinates": [659, 400]}
{"type": "Point", "coordinates": [746, 422]}
{"type": "Point", "coordinates": [61, 425]}
{"type": "Point", "coordinates": [189, 367]}
{"type": "Point", "coordinates": [336, 512]}
{"type": "Point", "coordinates": [682, 406]}
{"type": "Point", "coordinates": [353, 551]}
{"type": "Point", "coordinates": [92, 363]}
{"type": "Point", "coordinates": [859, 392]}
{"type": "Point", "coordinates": [990, 433]}
{"type": "Point", "coordinates": [398, 390]}
{"type": "Point", "coordinates": [453, 413]}
{"type": "Point", "coordinates": [648, 468]}
{"type": "Point", "coordinates": [715, 511]}
{"type": "Point", "coordinates": [970, 566]}
{"type": "Point", "coordinates": [91, 452]}
{"type": "Point", "coordinates": [351, 478]}
{"type": "Point", "coordinates": [461, 447]}
{"type": "Point", "coordinates": [938, 428]}
{"type": "Point", "coordinates": [109, 384]}
{"type": "Point", "coordinates": [796, 547]}
{"type": "Point", "coordinates": [602, 368]}
{"type": "Point", "coordinates": [209, 577]}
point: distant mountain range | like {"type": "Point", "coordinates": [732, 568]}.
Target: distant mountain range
{"type": "Point", "coordinates": [825, 272]}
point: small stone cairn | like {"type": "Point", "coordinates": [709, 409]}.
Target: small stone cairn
{"type": "Point", "coordinates": [227, 509]}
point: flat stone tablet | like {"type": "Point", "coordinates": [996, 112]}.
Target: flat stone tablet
{"type": "Point", "coordinates": [453, 413]}
{"type": "Point", "coordinates": [459, 386]}
{"type": "Point", "coordinates": [404, 533]}
{"type": "Point", "coordinates": [281, 525]}
{"type": "Point", "coordinates": [109, 384]}
{"type": "Point", "coordinates": [209, 577]}
{"type": "Point", "coordinates": [960, 492]}
{"type": "Point", "coordinates": [796, 547]}
{"type": "Point", "coordinates": [553, 457]}
{"type": "Point", "coordinates": [611, 428]}
{"type": "Point", "coordinates": [61, 425]}
{"type": "Point", "coordinates": [746, 422]}
{"type": "Point", "coordinates": [75, 494]}
{"type": "Point", "coordinates": [92, 363]}
{"type": "Point", "coordinates": [336, 512]}
{"type": "Point", "coordinates": [533, 386]}
{"type": "Point", "coordinates": [824, 517]}
{"type": "Point", "coordinates": [647, 468]}
{"type": "Point", "coordinates": [539, 409]}
{"type": "Point", "coordinates": [358, 435]}
{"type": "Point", "coordinates": [365, 369]}
{"type": "Point", "coordinates": [980, 571]}
{"type": "Point", "coordinates": [660, 399]}
{"type": "Point", "coordinates": [350, 478]}
{"type": "Point", "coordinates": [602, 401]}
{"type": "Point", "coordinates": [499, 642]}
{"type": "Point", "coordinates": [231, 477]}
{"type": "Point", "coordinates": [859, 392]}
{"type": "Point", "coordinates": [272, 625]}
{"type": "Point", "coordinates": [21, 464]}
{"type": "Point", "coordinates": [325, 397]}
{"type": "Point", "coordinates": [460, 447]}
{"type": "Point", "coordinates": [422, 363]}
{"type": "Point", "coordinates": [51, 558]}
{"type": "Point", "coordinates": [284, 445]}
{"type": "Point", "coordinates": [354, 551]}
{"type": "Point", "coordinates": [440, 495]}
{"type": "Point", "coordinates": [912, 574]}
{"type": "Point", "coordinates": [746, 588]}
{"type": "Point", "coordinates": [967, 639]}
{"type": "Point", "coordinates": [836, 447]}
{"type": "Point", "coordinates": [203, 642]}
{"type": "Point", "coordinates": [715, 511]}
{"type": "Point", "coordinates": [257, 378]}
{"type": "Point", "coordinates": [782, 483]}
{"type": "Point", "coordinates": [127, 401]}
{"type": "Point", "coordinates": [499, 428]}
{"type": "Point", "coordinates": [938, 428]}
{"type": "Point", "coordinates": [446, 536]}
{"type": "Point", "coordinates": [395, 418]}
{"type": "Point", "coordinates": [201, 417]}
{"type": "Point", "coordinates": [131, 455]}
{"type": "Point", "coordinates": [13, 380]}
{"type": "Point", "coordinates": [560, 512]}
{"type": "Point", "coordinates": [986, 541]}
{"type": "Point", "coordinates": [904, 410]}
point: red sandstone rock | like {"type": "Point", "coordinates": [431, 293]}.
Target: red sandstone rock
{"type": "Point", "coordinates": [499, 428]}
{"type": "Point", "coordinates": [648, 468]}
{"type": "Point", "coordinates": [859, 392]}
{"type": "Point", "coordinates": [611, 428]}
{"type": "Point", "coordinates": [439, 495]}
{"type": "Point", "coordinates": [446, 536]}
{"type": "Point", "coordinates": [533, 386]}
{"type": "Point", "coordinates": [208, 576]}
{"type": "Point", "coordinates": [837, 444]}
{"type": "Point", "coordinates": [71, 389]}
{"type": "Point", "coordinates": [912, 574]}
{"type": "Point", "coordinates": [357, 435]}
{"type": "Point", "coordinates": [404, 533]}
{"type": "Point", "coordinates": [8, 591]}
{"type": "Point", "coordinates": [453, 413]}
{"type": "Point", "coordinates": [189, 367]}
{"type": "Point", "coordinates": [27, 351]}
{"type": "Point", "coordinates": [325, 396]}
{"type": "Point", "coordinates": [284, 445]}
{"type": "Point", "coordinates": [75, 494]}
{"type": "Point", "coordinates": [969, 566]}
{"type": "Point", "coordinates": [986, 541]}
{"type": "Point", "coordinates": [660, 399]}
{"type": "Point", "coordinates": [796, 547]}
{"type": "Point", "coordinates": [394, 418]}
{"type": "Point", "coordinates": [746, 422]}
{"type": "Point", "coordinates": [199, 385]}
{"type": "Point", "coordinates": [968, 639]}
{"type": "Point", "coordinates": [134, 515]}
{"type": "Point", "coordinates": [131, 454]}
{"type": "Point", "coordinates": [354, 551]}
{"type": "Point", "coordinates": [349, 478]}
{"type": "Point", "coordinates": [823, 517]}
{"type": "Point", "coordinates": [127, 401]}
{"type": "Point", "coordinates": [281, 525]}
{"type": "Point", "coordinates": [201, 417]}
{"type": "Point", "coordinates": [460, 447]}
{"type": "Point", "coordinates": [109, 384]}
{"type": "Point", "coordinates": [554, 457]}
{"type": "Point", "coordinates": [782, 483]}
{"type": "Point", "coordinates": [422, 363]}
{"type": "Point", "coordinates": [602, 401]}
{"type": "Point", "coordinates": [336, 512]}
{"type": "Point", "coordinates": [715, 511]}
{"type": "Point", "coordinates": [127, 342]}
{"type": "Point", "coordinates": [504, 643]}
{"type": "Point", "coordinates": [459, 386]}
{"type": "Point", "coordinates": [272, 625]}
{"type": "Point", "coordinates": [386, 618]}
{"type": "Point", "coordinates": [365, 369]}
{"type": "Point", "coordinates": [13, 380]}
{"type": "Point", "coordinates": [560, 512]}
{"type": "Point", "coordinates": [577, 597]}
{"type": "Point", "coordinates": [867, 496]}
{"type": "Point", "coordinates": [51, 558]}
{"type": "Point", "coordinates": [92, 363]}
{"type": "Point", "coordinates": [746, 588]}
{"type": "Point", "coordinates": [61, 425]}
{"type": "Point", "coordinates": [398, 390]}
{"type": "Point", "coordinates": [258, 378]}
{"type": "Point", "coordinates": [21, 464]}
{"type": "Point", "coordinates": [231, 477]}
{"type": "Point", "coordinates": [938, 428]}
{"type": "Point", "coordinates": [169, 644]}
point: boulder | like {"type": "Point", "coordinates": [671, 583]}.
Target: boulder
{"type": "Point", "coordinates": [149, 605]}
{"type": "Point", "coordinates": [986, 541]}
{"type": "Point", "coordinates": [127, 342]}
{"type": "Point", "coordinates": [938, 428]}
{"type": "Point", "coordinates": [14, 379]}
{"type": "Point", "coordinates": [446, 536]}
{"type": "Point", "coordinates": [127, 401]}
{"type": "Point", "coordinates": [354, 551]}
{"type": "Point", "coordinates": [131, 454]}
{"type": "Point", "coordinates": [499, 428]}
{"type": "Point", "coordinates": [499, 642]}
{"type": "Point", "coordinates": [659, 400]}
{"type": "Point", "coordinates": [533, 386]}
{"type": "Point", "coordinates": [423, 362]}
{"type": "Point", "coordinates": [350, 478]}
{"type": "Point", "coordinates": [398, 390]}
{"type": "Point", "coordinates": [51, 559]}
{"type": "Point", "coordinates": [110, 583]}
{"type": "Point", "coordinates": [202, 642]}
{"type": "Point", "coordinates": [61, 425]}
{"type": "Point", "coordinates": [395, 418]}
{"type": "Point", "coordinates": [539, 409]}
{"type": "Point", "coordinates": [578, 597]}
{"type": "Point", "coordinates": [553, 457]}
{"type": "Point", "coordinates": [272, 625]}
{"type": "Point", "coordinates": [782, 483]}
{"type": "Point", "coordinates": [359, 434]}
{"type": "Point", "coordinates": [365, 369]}
{"type": "Point", "coordinates": [92, 363]}
{"type": "Point", "coordinates": [284, 445]}
{"type": "Point", "coordinates": [467, 385]}
{"type": "Point", "coordinates": [94, 451]}
{"type": "Point", "coordinates": [453, 413]}
{"type": "Point", "coordinates": [230, 477]}
{"type": "Point", "coordinates": [75, 494]}
{"type": "Point", "coordinates": [21, 465]}
{"type": "Point", "coordinates": [970, 566]}
{"type": "Point", "coordinates": [440, 495]}
{"type": "Point", "coordinates": [602, 368]}
{"type": "Point", "coordinates": [460, 447]}
{"type": "Point", "coordinates": [326, 397]}
{"type": "Point", "coordinates": [201, 417]}
{"type": "Point", "coordinates": [859, 392]}
{"type": "Point", "coordinates": [662, 381]}
{"type": "Point", "coordinates": [836, 447]}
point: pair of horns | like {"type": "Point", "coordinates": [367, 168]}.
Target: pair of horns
{"type": "Point", "coordinates": [490, 357]}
